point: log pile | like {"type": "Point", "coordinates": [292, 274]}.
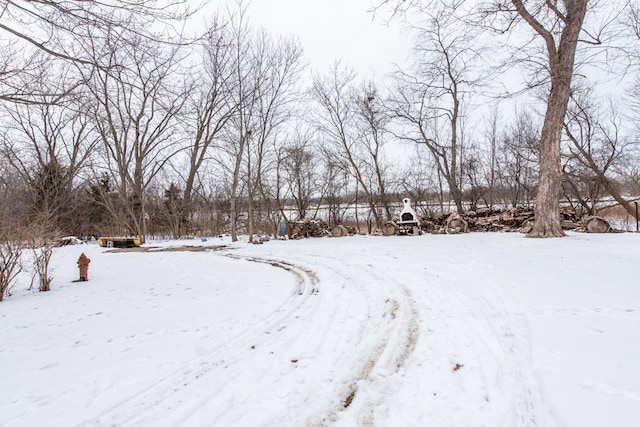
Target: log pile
{"type": "Point", "coordinates": [316, 228]}
{"type": "Point", "coordinates": [308, 228]}
{"type": "Point", "coordinates": [508, 220]}
{"type": "Point", "coordinates": [500, 220]}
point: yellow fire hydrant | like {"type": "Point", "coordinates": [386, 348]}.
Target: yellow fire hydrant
{"type": "Point", "coordinates": [83, 265]}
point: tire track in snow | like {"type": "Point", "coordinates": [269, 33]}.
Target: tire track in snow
{"type": "Point", "coordinates": [375, 346]}
{"type": "Point", "coordinates": [373, 339]}
{"type": "Point", "coordinates": [353, 339]}
{"type": "Point", "coordinates": [383, 367]}
{"type": "Point", "coordinates": [386, 345]}
{"type": "Point", "coordinates": [472, 328]}
{"type": "Point", "coordinates": [479, 332]}
{"type": "Point", "coordinates": [370, 344]}
{"type": "Point", "coordinates": [164, 394]}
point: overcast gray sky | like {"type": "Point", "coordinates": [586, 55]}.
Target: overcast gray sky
{"type": "Point", "coordinates": [335, 29]}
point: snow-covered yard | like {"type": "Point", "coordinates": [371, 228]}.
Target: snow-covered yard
{"type": "Point", "coordinates": [468, 330]}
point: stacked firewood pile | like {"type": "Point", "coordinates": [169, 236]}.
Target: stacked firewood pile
{"type": "Point", "coordinates": [507, 220]}
{"type": "Point", "coordinates": [317, 228]}
{"type": "Point", "coordinates": [499, 220]}
{"type": "Point", "coordinates": [308, 228]}
{"type": "Point", "coordinates": [571, 220]}
{"type": "Point", "coordinates": [515, 219]}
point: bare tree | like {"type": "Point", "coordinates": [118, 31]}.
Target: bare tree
{"type": "Point", "coordinates": [41, 239]}
{"type": "Point", "coordinates": [26, 78]}
{"type": "Point", "coordinates": [420, 182]}
{"type": "Point", "coordinates": [472, 168]}
{"type": "Point", "coordinates": [429, 100]}
{"type": "Point", "coordinates": [10, 267]}
{"type": "Point", "coordinates": [517, 171]}
{"type": "Point", "coordinates": [338, 185]}
{"type": "Point", "coordinates": [597, 145]}
{"type": "Point", "coordinates": [209, 107]}
{"type": "Point", "coordinates": [298, 168]}
{"type": "Point", "coordinates": [491, 172]}
{"type": "Point", "coordinates": [265, 71]}
{"type": "Point", "coordinates": [629, 172]}
{"type": "Point", "coordinates": [277, 65]}
{"type": "Point", "coordinates": [237, 134]}
{"type": "Point", "coordinates": [12, 243]}
{"type": "Point", "coordinates": [372, 127]}
{"type": "Point", "coordinates": [58, 31]}
{"type": "Point", "coordinates": [558, 24]}
{"type": "Point", "coordinates": [558, 28]}
{"type": "Point", "coordinates": [136, 112]}
{"type": "Point", "coordinates": [49, 146]}
{"type": "Point", "coordinates": [351, 121]}
{"type": "Point", "coordinates": [173, 214]}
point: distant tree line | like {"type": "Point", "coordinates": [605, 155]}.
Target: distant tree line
{"type": "Point", "coordinates": [115, 123]}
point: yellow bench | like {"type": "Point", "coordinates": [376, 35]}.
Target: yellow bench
{"type": "Point", "coordinates": [118, 242]}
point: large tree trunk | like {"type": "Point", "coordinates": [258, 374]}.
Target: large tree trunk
{"type": "Point", "coordinates": [547, 220]}
{"type": "Point", "coordinates": [456, 195]}
{"type": "Point", "coordinates": [561, 58]}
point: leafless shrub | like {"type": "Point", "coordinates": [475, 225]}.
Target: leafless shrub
{"type": "Point", "coordinates": [10, 265]}
{"type": "Point", "coordinates": [41, 264]}
{"type": "Point", "coordinates": [41, 243]}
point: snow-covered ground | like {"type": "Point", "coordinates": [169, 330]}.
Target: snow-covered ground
{"type": "Point", "coordinates": [468, 330]}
